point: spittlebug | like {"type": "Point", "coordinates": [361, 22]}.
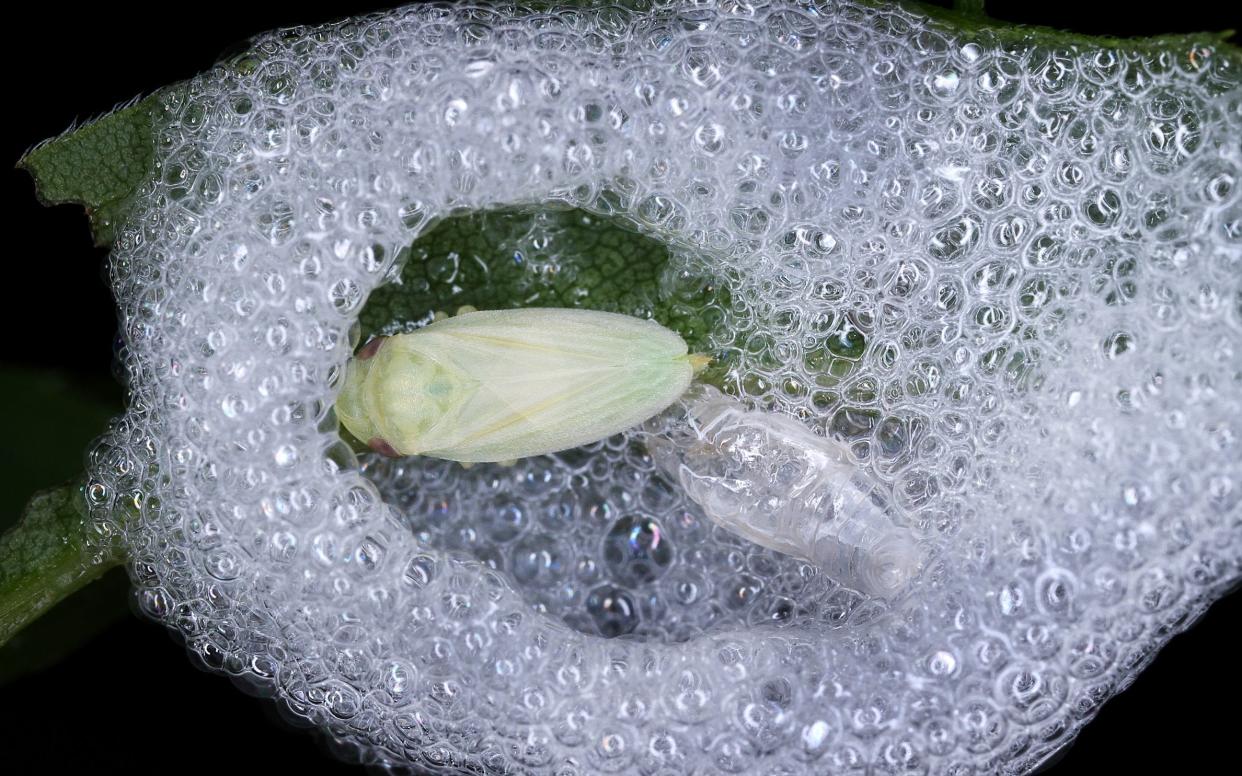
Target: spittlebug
{"type": "Point", "coordinates": [769, 479]}
{"type": "Point", "coordinates": [507, 384]}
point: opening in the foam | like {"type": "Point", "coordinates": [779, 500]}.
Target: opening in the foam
{"type": "Point", "coordinates": [596, 537]}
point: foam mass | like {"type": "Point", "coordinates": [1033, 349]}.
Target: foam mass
{"type": "Point", "coordinates": [1033, 259]}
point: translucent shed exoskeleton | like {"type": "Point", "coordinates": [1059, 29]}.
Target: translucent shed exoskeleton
{"type": "Point", "coordinates": [767, 478]}
{"type": "Point", "coordinates": [507, 384]}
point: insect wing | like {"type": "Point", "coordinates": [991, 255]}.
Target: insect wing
{"type": "Point", "coordinates": [549, 380]}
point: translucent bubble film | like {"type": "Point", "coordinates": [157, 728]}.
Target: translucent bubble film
{"type": "Point", "coordinates": [1006, 279]}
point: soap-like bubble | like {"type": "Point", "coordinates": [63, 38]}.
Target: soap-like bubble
{"type": "Point", "coordinates": [1004, 280]}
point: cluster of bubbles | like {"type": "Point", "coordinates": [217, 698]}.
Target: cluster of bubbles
{"type": "Point", "coordinates": [1005, 277]}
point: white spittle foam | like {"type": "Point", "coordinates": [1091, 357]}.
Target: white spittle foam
{"type": "Point", "coordinates": [1040, 251]}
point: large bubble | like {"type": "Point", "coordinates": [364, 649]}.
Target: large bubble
{"type": "Point", "coordinates": [1006, 277]}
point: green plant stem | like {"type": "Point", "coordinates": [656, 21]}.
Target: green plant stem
{"type": "Point", "coordinates": [45, 558]}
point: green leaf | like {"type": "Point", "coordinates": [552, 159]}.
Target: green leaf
{"type": "Point", "coordinates": [545, 258]}
{"type": "Point", "coordinates": [100, 165]}
{"type": "Point", "coordinates": [968, 18]}
{"type": "Point", "coordinates": [46, 557]}
{"type": "Point", "coordinates": [44, 445]}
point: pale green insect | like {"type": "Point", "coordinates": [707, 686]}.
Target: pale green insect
{"type": "Point", "coordinates": [508, 384]}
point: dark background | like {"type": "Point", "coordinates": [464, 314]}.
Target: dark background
{"type": "Point", "coordinates": [128, 698]}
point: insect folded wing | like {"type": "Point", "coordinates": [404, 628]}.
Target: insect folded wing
{"type": "Point", "coordinates": [516, 383]}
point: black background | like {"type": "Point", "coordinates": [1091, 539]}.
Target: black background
{"type": "Point", "coordinates": [130, 699]}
